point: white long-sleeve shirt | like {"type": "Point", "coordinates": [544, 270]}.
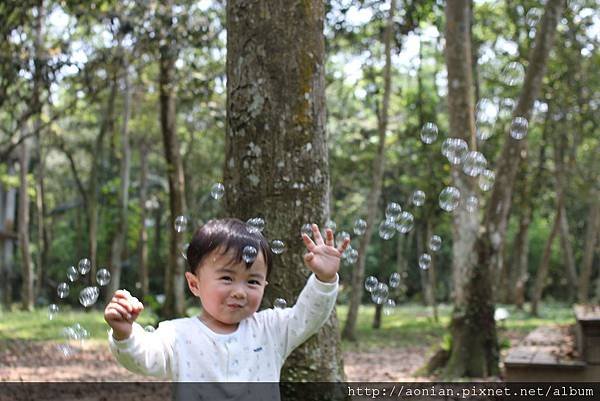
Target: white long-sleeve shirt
{"type": "Point", "coordinates": [186, 350]}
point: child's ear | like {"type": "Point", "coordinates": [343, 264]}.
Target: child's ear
{"type": "Point", "coordinates": [193, 282]}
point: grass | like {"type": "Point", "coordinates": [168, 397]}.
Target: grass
{"type": "Point", "coordinates": [409, 325]}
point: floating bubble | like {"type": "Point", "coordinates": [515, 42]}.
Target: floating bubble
{"type": "Point", "coordinates": [487, 112]}
{"type": "Point", "coordinates": [405, 223]}
{"type": "Point", "coordinates": [306, 229]}
{"type": "Point", "coordinates": [389, 307]}
{"type": "Point", "coordinates": [279, 303]}
{"type": "Point", "coordinates": [429, 133]}
{"type": "Point", "coordinates": [435, 243]}
{"type": "Point", "coordinates": [360, 226]}
{"type": "Point", "coordinates": [180, 223]}
{"type": "Point", "coordinates": [88, 296]}
{"type": "Point", "coordinates": [472, 204]}
{"type": "Point", "coordinates": [518, 128]}
{"type": "Point", "coordinates": [486, 180]}
{"type": "Point", "coordinates": [183, 250]}
{"type": "Point", "coordinates": [150, 329]}
{"type": "Point", "coordinates": [370, 283]}
{"type": "Point", "coordinates": [474, 163]}
{"type": "Point", "coordinates": [65, 350]}
{"type": "Point", "coordinates": [217, 191]}
{"type": "Point", "coordinates": [507, 105]}
{"type": "Point", "coordinates": [341, 237]}
{"type": "Point", "coordinates": [84, 266]}
{"type": "Point", "coordinates": [449, 198]}
{"type": "Point", "coordinates": [380, 293]}
{"type": "Point", "coordinates": [103, 277]}
{"type": "Point", "coordinates": [249, 254]}
{"type": "Point", "coordinates": [72, 273]}
{"type": "Point", "coordinates": [62, 290]}
{"type": "Point", "coordinates": [392, 211]}
{"type": "Point", "coordinates": [484, 132]}
{"type": "Point", "coordinates": [424, 261]}
{"type": "Point", "coordinates": [513, 74]}
{"type": "Point", "coordinates": [533, 16]}
{"type": "Point", "coordinates": [394, 280]}
{"type": "Point", "coordinates": [455, 149]}
{"type": "Point", "coordinates": [350, 255]}
{"type": "Point", "coordinates": [417, 198]}
{"type": "Point", "coordinates": [387, 228]}
{"type": "Point", "coordinates": [277, 246]}
{"type": "Point", "coordinates": [331, 225]}
{"type": "Point", "coordinates": [52, 311]}
{"type": "Point", "coordinates": [255, 225]}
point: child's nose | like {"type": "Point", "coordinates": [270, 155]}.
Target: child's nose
{"type": "Point", "coordinates": [238, 292]}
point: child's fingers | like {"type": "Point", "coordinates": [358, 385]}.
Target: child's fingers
{"type": "Point", "coordinates": [124, 303]}
{"type": "Point", "coordinates": [317, 234]}
{"type": "Point", "coordinates": [310, 245]}
{"type": "Point", "coordinates": [121, 310]}
{"type": "Point", "coordinates": [124, 294]}
{"type": "Point", "coordinates": [309, 256]}
{"type": "Point", "coordinates": [344, 245]}
{"type": "Point", "coordinates": [329, 237]}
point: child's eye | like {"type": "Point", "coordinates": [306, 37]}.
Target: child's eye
{"type": "Point", "coordinates": [226, 278]}
{"type": "Point", "coordinates": [254, 282]}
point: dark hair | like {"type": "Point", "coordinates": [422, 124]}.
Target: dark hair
{"type": "Point", "coordinates": [227, 234]}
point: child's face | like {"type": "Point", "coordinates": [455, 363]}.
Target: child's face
{"type": "Point", "coordinates": [229, 291]}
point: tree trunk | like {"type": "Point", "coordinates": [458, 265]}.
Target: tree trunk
{"type": "Point", "coordinates": [8, 238]}
{"type": "Point", "coordinates": [27, 273]}
{"type": "Point", "coordinates": [175, 267]}
{"type": "Point", "coordinates": [521, 258]}
{"type": "Point", "coordinates": [143, 238]}
{"type": "Point", "coordinates": [591, 239]}
{"type": "Point", "coordinates": [276, 162]}
{"type": "Point", "coordinates": [119, 243]}
{"type": "Point", "coordinates": [373, 198]}
{"type": "Point", "coordinates": [474, 349]}
{"type": "Point", "coordinates": [542, 271]}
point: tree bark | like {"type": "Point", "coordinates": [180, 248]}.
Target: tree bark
{"type": "Point", "coordinates": [119, 243]}
{"type": "Point", "coordinates": [175, 268]}
{"type": "Point", "coordinates": [373, 198]}
{"type": "Point", "coordinates": [8, 239]}
{"type": "Point", "coordinates": [591, 239]}
{"type": "Point", "coordinates": [143, 237]}
{"type": "Point", "coordinates": [276, 162]}
{"type": "Point", "coordinates": [27, 273]}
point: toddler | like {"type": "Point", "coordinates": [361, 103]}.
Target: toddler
{"type": "Point", "coordinates": [229, 341]}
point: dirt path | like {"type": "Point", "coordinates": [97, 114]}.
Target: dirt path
{"type": "Point", "coordinates": [46, 361]}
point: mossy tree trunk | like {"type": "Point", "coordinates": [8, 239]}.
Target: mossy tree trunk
{"type": "Point", "coordinates": [276, 162]}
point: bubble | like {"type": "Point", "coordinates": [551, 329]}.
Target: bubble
{"type": "Point", "coordinates": [65, 350]}
{"type": "Point", "coordinates": [486, 180]}
{"type": "Point", "coordinates": [474, 163]}
{"type": "Point", "coordinates": [387, 229]}
{"type": "Point", "coordinates": [487, 111]}
{"type": "Point", "coordinates": [150, 329]}
{"type": "Point", "coordinates": [217, 191]}
{"type": "Point", "coordinates": [507, 105]}
{"type": "Point", "coordinates": [183, 250]}
{"type": "Point", "coordinates": [277, 246]}
{"type": "Point", "coordinates": [389, 307]}
{"type": "Point", "coordinates": [52, 311]}
{"type": "Point", "coordinates": [255, 225]}
{"type": "Point", "coordinates": [180, 223]}
{"type": "Point", "coordinates": [518, 127]}
{"type": "Point", "coordinates": [340, 237]}
{"type": "Point", "coordinates": [360, 226]}
{"type": "Point", "coordinates": [513, 74]}
{"type": "Point", "coordinates": [370, 283]}
{"type": "Point", "coordinates": [62, 290]}
{"type": "Point", "coordinates": [449, 198]}
{"type": "Point", "coordinates": [102, 277]}
{"type": "Point", "coordinates": [306, 229]}
{"type": "Point", "coordinates": [435, 243]}
{"type": "Point", "coordinates": [249, 254]}
{"type": "Point", "coordinates": [424, 261]}
{"type": "Point", "coordinates": [72, 273]}
{"type": "Point", "coordinates": [350, 255]}
{"type": "Point", "coordinates": [279, 303]}
{"type": "Point", "coordinates": [392, 211]}
{"type": "Point", "coordinates": [331, 225]}
{"type": "Point", "coordinates": [380, 293]}
{"type": "Point", "coordinates": [405, 222]}
{"type": "Point", "coordinates": [484, 132]}
{"type": "Point", "coordinates": [394, 280]}
{"type": "Point", "coordinates": [88, 296]}
{"type": "Point", "coordinates": [533, 17]}
{"type": "Point", "coordinates": [472, 203]}
{"type": "Point", "coordinates": [84, 266]}
{"type": "Point", "coordinates": [429, 133]}
{"type": "Point", "coordinates": [417, 198]}
{"type": "Point", "coordinates": [455, 149]}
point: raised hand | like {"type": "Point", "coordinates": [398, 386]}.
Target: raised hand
{"type": "Point", "coordinates": [323, 258]}
{"type": "Point", "coordinates": [121, 312]}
